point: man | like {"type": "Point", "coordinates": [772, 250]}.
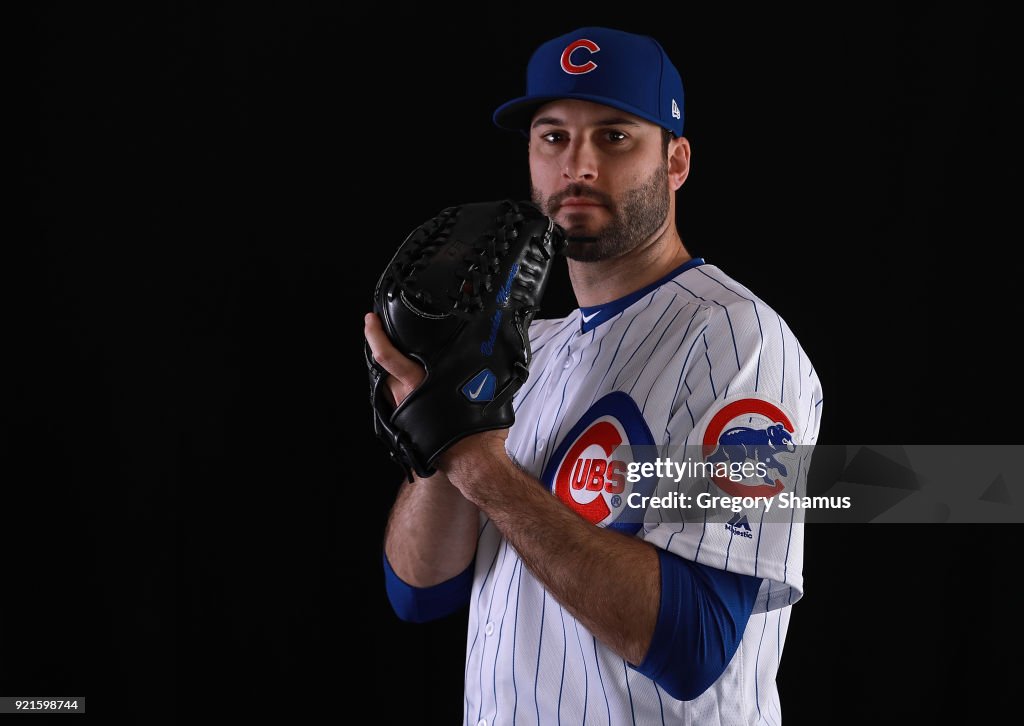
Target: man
{"type": "Point", "coordinates": [577, 612]}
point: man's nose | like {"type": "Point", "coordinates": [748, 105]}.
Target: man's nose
{"type": "Point", "coordinates": [580, 162]}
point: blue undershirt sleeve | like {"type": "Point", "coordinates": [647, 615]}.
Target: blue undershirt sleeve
{"type": "Point", "coordinates": [422, 604]}
{"type": "Point", "coordinates": [701, 619]}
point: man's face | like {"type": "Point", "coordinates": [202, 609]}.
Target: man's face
{"type": "Point", "coordinates": [601, 174]}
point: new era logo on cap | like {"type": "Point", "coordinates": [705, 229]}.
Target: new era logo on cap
{"type": "Point", "coordinates": [623, 70]}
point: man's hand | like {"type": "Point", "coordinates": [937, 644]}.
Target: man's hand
{"type": "Point", "coordinates": [404, 374]}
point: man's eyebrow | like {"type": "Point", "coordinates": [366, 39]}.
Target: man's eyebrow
{"type": "Point", "coordinates": [547, 121]}
{"type": "Point", "coordinates": [610, 121]}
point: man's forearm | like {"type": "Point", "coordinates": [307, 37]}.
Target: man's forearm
{"type": "Point", "coordinates": [610, 582]}
{"type": "Point", "coordinates": [431, 533]}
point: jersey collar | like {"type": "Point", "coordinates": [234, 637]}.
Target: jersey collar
{"type": "Point", "coordinates": [591, 317]}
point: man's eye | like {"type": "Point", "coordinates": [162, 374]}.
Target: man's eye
{"type": "Point", "coordinates": [616, 136]}
{"type": "Point", "coordinates": [552, 137]}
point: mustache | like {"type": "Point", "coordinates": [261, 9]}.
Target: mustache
{"type": "Point", "coordinates": [578, 190]}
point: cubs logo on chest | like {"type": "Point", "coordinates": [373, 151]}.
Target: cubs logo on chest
{"type": "Point", "coordinates": [587, 472]}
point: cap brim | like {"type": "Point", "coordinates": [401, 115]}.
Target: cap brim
{"type": "Point", "coordinates": [515, 115]}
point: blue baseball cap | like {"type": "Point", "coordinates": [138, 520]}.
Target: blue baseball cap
{"type": "Point", "coordinates": [623, 70]}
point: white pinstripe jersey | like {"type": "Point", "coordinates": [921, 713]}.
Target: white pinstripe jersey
{"type": "Point", "coordinates": [683, 353]}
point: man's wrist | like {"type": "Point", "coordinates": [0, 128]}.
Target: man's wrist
{"type": "Point", "coordinates": [477, 462]}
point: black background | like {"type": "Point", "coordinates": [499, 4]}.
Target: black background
{"type": "Point", "coordinates": [193, 505]}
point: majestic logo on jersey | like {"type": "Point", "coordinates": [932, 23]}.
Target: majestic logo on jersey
{"type": "Point", "coordinates": [754, 430]}
{"type": "Point", "coordinates": [740, 526]}
{"type": "Point", "coordinates": [588, 469]}
{"type": "Point", "coordinates": [577, 68]}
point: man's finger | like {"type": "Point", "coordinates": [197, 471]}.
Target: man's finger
{"type": "Point", "coordinates": [407, 371]}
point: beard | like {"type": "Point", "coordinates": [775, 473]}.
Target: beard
{"type": "Point", "coordinates": [635, 218]}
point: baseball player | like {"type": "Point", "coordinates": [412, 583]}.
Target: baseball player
{"type": "Point", "coordinates": [579, 613]}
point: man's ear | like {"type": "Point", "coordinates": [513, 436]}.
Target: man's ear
{"type": "Point", "coordinates": [678, 162]}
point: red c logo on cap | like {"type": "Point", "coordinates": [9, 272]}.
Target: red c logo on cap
{"type": "Point", "coordinates": [569, 67]}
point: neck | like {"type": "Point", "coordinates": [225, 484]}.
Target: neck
{"type": "Point", "coordinates": [597, 283]}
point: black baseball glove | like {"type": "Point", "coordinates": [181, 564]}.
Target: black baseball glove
{"type": "Point", "coordinates": [458, 297]}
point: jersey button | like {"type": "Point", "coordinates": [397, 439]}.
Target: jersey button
{"type": "Point", "coordinates": [568, 362]}
{"type": "Point", "coordinates": [482, 722]}
{"type": "Point", "coordinates": [489, 629]}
